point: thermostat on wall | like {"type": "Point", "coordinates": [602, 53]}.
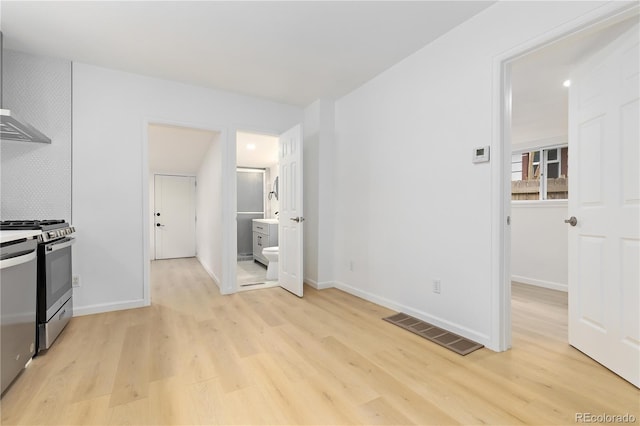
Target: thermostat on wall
{"type": "Point", "coordinates": [481, 154]}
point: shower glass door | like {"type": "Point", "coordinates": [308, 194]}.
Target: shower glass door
{"type": "Point", "coordinates": [251, 205]}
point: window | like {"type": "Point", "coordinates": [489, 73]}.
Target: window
{"type": "Point", "coordinates": [541, 174]}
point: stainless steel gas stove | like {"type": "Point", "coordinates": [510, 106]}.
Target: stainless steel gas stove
{"type": "Point", "coordinates": [54, 301]}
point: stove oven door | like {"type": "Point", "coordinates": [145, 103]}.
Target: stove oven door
{"type": "Point", "coordinates": [54, 288]}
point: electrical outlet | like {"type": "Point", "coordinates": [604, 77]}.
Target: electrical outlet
{"type": "Point", "coordinates": [436, 286]}
{"type": "Point", "coordinates": [75, 281]}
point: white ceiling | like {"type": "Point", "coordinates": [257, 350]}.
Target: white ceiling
{"type": "Point", "coordinates": [290, 52]}
{"type": "Point", "coordinates": [539, 100]}
{"type": "Point", "coordinates": [177, 150]}
{"type": "Point", "coordinates": [263, 155]}
{"type": "Point", "coordinates": [180, 150]}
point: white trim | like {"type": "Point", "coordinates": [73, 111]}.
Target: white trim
{"type": "Point", "coordinates": [266, 284]}
{"type": "Point", "coordinates": [501, 170]}
{"type": "Point", "coordinates": [399, 307]}
{"type": "Point", "coordinates": [109, 307]}
{"type": "Point", "coordinates": [250, 170]}
{"type": "Point", "coordinates": [501, 210]}
{"type": "Point", "coordinates": [146, 214]}
{"type": "Point", "coordinates": [229, 283]}
{"type": "Point", "coordinates": [540, 283]}
{"type": "Point", "coordinates": [528, 204]}
{"type": "Point", "coordinates": [172, 174]}
{"type": "Point", "coordinates": [537, 144]}
{"type": "Point", "coordinates": [319, 285]}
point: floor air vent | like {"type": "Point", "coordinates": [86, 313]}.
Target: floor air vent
{"type": "Point", "coordinates": [451, 341]}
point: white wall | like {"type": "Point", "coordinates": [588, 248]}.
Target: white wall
{"type": "Point", "coordinates": [310, 156]}
{"type": "Point", "coordinates": [209, 211]}
{"type": "Point", "coordinates": [111, 111]}
{"type": "Point", "coordinates": [410, 206]}
{"type": "Point", "coordinates": [539, 243]}
{"type": "Point", "coordinates": [539, 236]}
{"type": "Point", "coordinates": [318, 156]}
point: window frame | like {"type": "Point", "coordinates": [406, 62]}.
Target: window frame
{"type": "Point", "coordinates": [544, 161]}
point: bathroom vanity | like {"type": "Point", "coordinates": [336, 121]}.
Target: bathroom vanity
{"type": "Point", "coordinates": [265, 234]}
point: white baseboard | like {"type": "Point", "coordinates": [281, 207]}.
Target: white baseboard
{"type": "Point", "coordinates": [540, 283]}
{"type": "Point", "coordinates": [213, 276]}
{"type": "Point", "coordinates": [317, 285]}
{"type": "Point", "coordinates": [399, 307]}
{"type": "Point", "coordinates": [108, 307]}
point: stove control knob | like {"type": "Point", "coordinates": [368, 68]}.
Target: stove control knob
{"type": "Point", "coordinates": [52, 234]}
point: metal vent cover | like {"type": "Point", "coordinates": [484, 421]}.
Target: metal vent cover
{"type": "Point", "coordinates": [451, 341]}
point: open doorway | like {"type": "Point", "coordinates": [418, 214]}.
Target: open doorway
{"type": "Point", "coordinates": [183, 163]}
{"type": "Point", "coordinates": [540, 84]}
{"type": "Point", "coordinates": [257, 210]}
{"type": "Point", "coordinates": [550, 174]}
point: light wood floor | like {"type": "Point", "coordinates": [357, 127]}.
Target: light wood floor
{"type": "Point", "coordinates": [267, 357]}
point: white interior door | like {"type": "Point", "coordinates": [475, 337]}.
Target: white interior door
{"type": "Point", "coordinates": [604, 197]}
{"type": "Point", "coordinates": [175, 216]}
{"type": "Point", "coordinates": [291, 216]}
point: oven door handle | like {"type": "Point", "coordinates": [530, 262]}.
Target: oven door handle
{"type": "Point", "coordinates": [59, 246]}
{"type": "Point", "coordinates": [19, 260]}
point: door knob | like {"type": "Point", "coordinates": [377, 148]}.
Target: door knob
{"type": "Point", "coordinates": [297, 219]}
{"type": "Point", "coordinates": [571, 221]}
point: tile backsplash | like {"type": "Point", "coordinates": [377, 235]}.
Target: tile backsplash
{"type": "Point", "coordinates": [36, 178]}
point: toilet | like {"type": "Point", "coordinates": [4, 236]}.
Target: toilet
{"type": "Point", "coordinates": [271, 253]}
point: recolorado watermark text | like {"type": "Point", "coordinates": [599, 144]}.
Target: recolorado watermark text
{"type": "Point", "coordinates": [605, 418]}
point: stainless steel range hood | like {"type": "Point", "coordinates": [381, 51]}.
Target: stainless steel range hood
{"type": "Point", "coordinates": [12, 128]}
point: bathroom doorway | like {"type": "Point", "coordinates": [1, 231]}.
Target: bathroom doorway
{"type": "Point", "coordinates": [257, 207]}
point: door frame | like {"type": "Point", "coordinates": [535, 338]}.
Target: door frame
{"type": "Point", "coordinates": [146, 201]}
{"type": "Point", "coordinates": [501, 169]}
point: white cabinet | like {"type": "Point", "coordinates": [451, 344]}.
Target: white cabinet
{"type": "Point", "coordinates": [265, 234]}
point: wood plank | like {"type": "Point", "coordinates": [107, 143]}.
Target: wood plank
{"type": "Point", "coordinates": [268, 357]}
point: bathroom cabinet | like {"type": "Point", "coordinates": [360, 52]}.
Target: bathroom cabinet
{"type": "Point", "coordinates": [265, 234]}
